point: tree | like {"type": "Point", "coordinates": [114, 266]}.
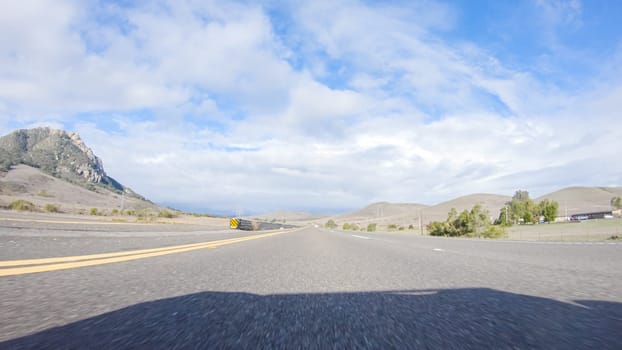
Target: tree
{"type": "Point", "coordinates": [504, 217]}
{"type": "Point", "coordinates": [520, 196]}
{"type": "Point", "coordinates": [346, 226]}
{"type": "Point", "coordinates": [548, 209]}
{"type": "Point", "coordinates": [522, 209]}
{"type": "Point", "coordinates": [473, 223]}
{"type": "Point", "coordinates": [330, 224]}
{"type": "Point", "coordinates": [616, 202]}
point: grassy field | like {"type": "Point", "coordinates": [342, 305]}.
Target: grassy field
{"type": "Point", "coordinates": [590, 230]}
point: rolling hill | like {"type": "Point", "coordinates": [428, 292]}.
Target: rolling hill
{"type": "Point", "coordinates": [577, 200]}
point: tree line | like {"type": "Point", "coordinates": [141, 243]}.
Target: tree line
{"type": "Point", "coordinates": [477, 221]}
{"type": "Point", "coordinates": [523, 210]}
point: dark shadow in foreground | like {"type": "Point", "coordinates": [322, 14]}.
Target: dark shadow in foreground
{"type": "Point", "coordinates": [440, 319]}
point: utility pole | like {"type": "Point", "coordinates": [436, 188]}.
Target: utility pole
{"type": "Point", "coordinates": [566, 209]}
{"type": "Point", "coordinates": [506, 215]}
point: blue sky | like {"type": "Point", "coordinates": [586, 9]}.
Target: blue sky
{"type": "Point", "coordinates": [325, 106]}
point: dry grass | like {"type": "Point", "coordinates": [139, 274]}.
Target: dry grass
{"type": "Point", "coordinates": [591, 230]}
{"type": "Point", "coordinates": [24, 182]}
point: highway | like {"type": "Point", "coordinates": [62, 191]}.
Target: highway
{"type": "Point", "coordinates": [182, 287]}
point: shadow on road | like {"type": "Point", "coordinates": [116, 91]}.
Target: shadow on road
{"type": "Point", "coordinates": [440, 319]}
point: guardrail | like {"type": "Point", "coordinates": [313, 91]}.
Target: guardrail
{"type": "Point", "coordinates": [248, 225]}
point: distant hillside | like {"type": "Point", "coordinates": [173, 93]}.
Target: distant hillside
{"type": "Point", "coordinates": [383, 213]}
{"type": "Point", "coordinates": [574, 199]}
{"type": "Point", "coordinates": [33, 185]}
{"type": "Point", "coordinates": [491, 202]}
{"type": "Point", "coordinates": [577, 200]}
{"type": "Point", "coordinates": [59, 154]}
{"type": "Point", "coordinates": [288, 216]}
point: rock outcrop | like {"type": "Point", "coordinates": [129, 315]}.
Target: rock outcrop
{"type": "Point", "coordinates": [58, 153]}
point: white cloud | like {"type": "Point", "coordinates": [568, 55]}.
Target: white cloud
{"type": "Point", "coordinates": [381, 108]}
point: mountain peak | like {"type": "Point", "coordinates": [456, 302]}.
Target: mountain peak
{"type": "Point", "coordinates": [59, 153]}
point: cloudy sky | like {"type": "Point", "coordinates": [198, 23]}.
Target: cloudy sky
{"type": "Point", "coordinates": [323, 106]}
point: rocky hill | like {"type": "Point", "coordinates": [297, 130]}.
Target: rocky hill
{"type": "Point", "coordinates": [60, 154]}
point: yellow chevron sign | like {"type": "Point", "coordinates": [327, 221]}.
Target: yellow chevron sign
{"type": "Point", "coordinates": [234, 222]}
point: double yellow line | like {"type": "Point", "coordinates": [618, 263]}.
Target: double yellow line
{"type": "Point", "coordinates": [21, 267]}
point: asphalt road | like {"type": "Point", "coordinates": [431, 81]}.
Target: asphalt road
{"type": "Point", "coordinates": [309, 288]}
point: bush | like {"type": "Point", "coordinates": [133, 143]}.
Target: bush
{"type": "Point", "coordinates": [51, 208]}
{"type": "Point", "coordinates": [93, 211]}
{"type": "Point", "coordinates": [330, 224]}
{"type": "Point", "coordinates": [166, 214]}
{"type": "Point", "coordinates": [114, 211]}
{"type": "Point", "coordinates": [346, 226]}
{"type": "Point", "coordinates": [494, 232]}
{"type": "Point", "coordinates": [401, 228]}
{"type": "Point", "coordinates": [411, 227]}
{"type": "Point", "coordinates": [129, 212]}
{"type": "Point", "coordinates": [22, 205]}
{"type": "Point", "coordinates": [354, 227]}
{"type": "Point", "coordinates": [44, 194]}
{"type": "Point", "coordinates": [468, 223]}
{"type": "Point", "coordinates": [371, 227]}
{"type": "Point", "coordinates": [392, 227]}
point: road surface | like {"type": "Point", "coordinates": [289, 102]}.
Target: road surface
{"type": "Point", "coordinates": [301, 288]}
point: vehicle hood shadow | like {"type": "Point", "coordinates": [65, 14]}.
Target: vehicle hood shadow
{"type": "Point", "coordinates": [470, 318]}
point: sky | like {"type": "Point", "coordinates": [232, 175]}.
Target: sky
{"type": "Point", "coordinates": [323, 106]}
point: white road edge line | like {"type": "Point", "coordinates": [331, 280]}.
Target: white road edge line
{"type": "Point", "coordinates": [437, 249]}
{"type": "Point", "coordinates": [362, 237]}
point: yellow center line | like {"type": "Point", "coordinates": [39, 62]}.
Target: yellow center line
{"type": "Point", "coordinates": [54, 264]}
{"type": "Point", "coordinates": [41, 261]}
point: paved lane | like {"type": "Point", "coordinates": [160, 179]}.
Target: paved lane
{"type": "Point", "coordinates": [320, 289]}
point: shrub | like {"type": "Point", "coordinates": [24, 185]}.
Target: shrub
{"type": "Point", "coordinates": [494, 232]}
{"type": "Point", "coordinates": [44, 194]}
{"type": "Point", "coordinates": [469, 223]}
{"type": "Point", "coordinates": [51, 208]}
{"type": "Point", "coordinates": [437, 228]}
{"type": "Point", "coordinates": [346, 226]}
{"type": "Point", "coordinates": [330, 224]}
{"type": "Point", "coordinates": [129, 212]}
{"type": "Point", "coordinates": [354, 227]}
{"type": "Point", "coordinates": [114, 211]}
{"type": "Point", "coordinates": [371, 227]}
{"type": "Point", "coordinates": [21, 205]}
{"type": "Point", "coordinates": [392, 227]}
{"type": "Point", "coordinates": [401, 228]}
{"type": "Point", "coordinates": [166, 214]}
{"type": "Point", "coordinates": [411, 227]}
{"type": "Point", "coordinates": [93, 211]}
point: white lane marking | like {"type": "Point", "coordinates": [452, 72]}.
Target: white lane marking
{"type": "Point", "coordinates": [437, 249]}
{"type": "Point", "coordinates": [362, 237]}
